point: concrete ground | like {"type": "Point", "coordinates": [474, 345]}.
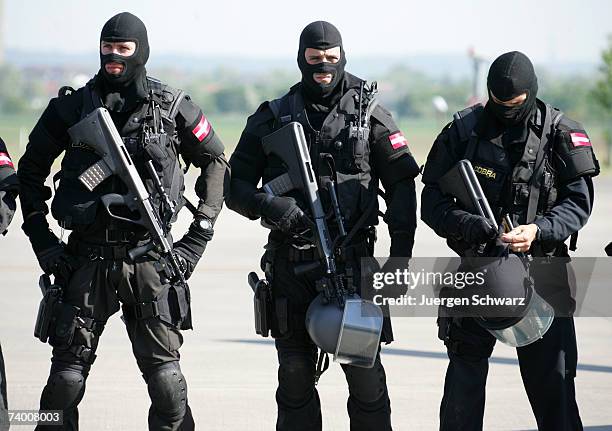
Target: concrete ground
{"type": "Point", "coordinates": [232, 372]}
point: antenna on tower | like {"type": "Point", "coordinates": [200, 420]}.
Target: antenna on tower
{"type": "Point", "coordinates": [477, 62]}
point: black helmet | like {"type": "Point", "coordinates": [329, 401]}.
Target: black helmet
{"type": "Point", "coordinates": [521, 316]}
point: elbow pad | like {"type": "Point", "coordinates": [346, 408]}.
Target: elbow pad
{"type": "Point", "coordinates": [574, 153]}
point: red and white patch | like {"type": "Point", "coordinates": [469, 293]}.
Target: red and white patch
{"type": "Point", "coordinates": [5, 160]}
{"type": "Point", "coordinates": [580, 139]}
{"type": "Point", "coordinates": [202, 130]}
{"type": "Point", "coordinates": [398, 140]}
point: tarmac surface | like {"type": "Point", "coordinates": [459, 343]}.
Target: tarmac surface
{"type": "Point", "coordinates": [231, 372]}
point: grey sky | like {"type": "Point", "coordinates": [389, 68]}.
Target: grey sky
{"type": "Point", "coordinates": [546, 30]}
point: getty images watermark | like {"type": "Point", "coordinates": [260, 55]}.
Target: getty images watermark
{"type": "Point", "coordinates": [486, 286]}
{"type": "Point", "coordinates": [412, 280]}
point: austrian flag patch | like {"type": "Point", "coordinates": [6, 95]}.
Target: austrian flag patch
{"type": "Point", "coordinates": [202, 129]}
{"type": "Point", "coordinates": [5, 160]}
{"type": "Point", "coordinates": [580, 139]}
{"type": "Point", "coordinates": [398, 140]}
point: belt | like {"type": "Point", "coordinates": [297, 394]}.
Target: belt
{"type": "Point", "coordinates": [301, 254]}
{"type": "Point", "coordinates": [110, 236]}
{"type": "Point", "coordinates": [97, 251]}
{"type": "Point", "coordinates": [304, 254]}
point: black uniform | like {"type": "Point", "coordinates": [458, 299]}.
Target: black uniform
{"type": "Point", "coordinates": [507, 151]}
{"type": "Point", "coordinates": [382, 155]}
{"type": "Point", "coordinates": [157, 123]}
{"type": "Point", "coordinates": [8, 194]}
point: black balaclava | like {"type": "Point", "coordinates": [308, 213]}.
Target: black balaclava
{"type": "Point", "coordinates": [122, 91]}
{"type": "Point", "coordinates": [320, 35]}
{"type": "Point", "coordinates": [125, 27]}
{"type": "Point", "coordinates": [510, 75]}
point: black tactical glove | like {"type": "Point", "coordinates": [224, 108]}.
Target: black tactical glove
{"type": "Point", "coordinates": [476, 230]}
{"type": "Point", "coordinates": [190, 248]}
{"type": "Point", "coordinates": [283, 213]}
{"type": "Point", "coordinates": [49, 250]}
{"type": "Point", "coordinates": [7, 210]}
{"type": "Point", "coordinates": [56, 261]}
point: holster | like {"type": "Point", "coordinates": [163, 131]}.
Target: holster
{"type": "Point", "coordinates": [262, 303]}
{"type": "Point", "coordinates": [46, 310]}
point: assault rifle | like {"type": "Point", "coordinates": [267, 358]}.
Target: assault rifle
{"type": "Point", "coordinates": [290, 146]}
{"type": "Point", "coordinates": [98, 132]}
{"type": "Point", "coordinates": [461, 183]}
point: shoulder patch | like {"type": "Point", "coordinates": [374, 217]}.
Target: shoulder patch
{"type": "Point", "coordinates": [5, 160]}
{"type": "Point", "coordinates": [398, 140]}
{"type": "Point", "coordinates": [579, 138]}
{"type": "Point", "coordinates": [202, 129]}
{"type": "Point", "coordinates": [573, 133]}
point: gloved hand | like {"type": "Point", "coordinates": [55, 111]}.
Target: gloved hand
{"type": "Point", "coordinates": [190, 248]}
{"type": "Point", "coordinates": [186, 267]}
{"type": "Point", "coordinates": [50, 251]}
{"type": "Point", "coordinates": [284, 213]}
{"type": "Point", "coordinates": [7, 210]}
{"type": "Point", "coordinates": [56, 261]}
{"type": "Point", "coordinates": [476, 229]}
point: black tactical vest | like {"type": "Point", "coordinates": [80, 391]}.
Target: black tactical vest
{"type": "Point", "coordinates": [525, 190]}
{"type": "Point", "coordinates": [356, 183]}
{"type": "Point", "coordinates": [148, 134]}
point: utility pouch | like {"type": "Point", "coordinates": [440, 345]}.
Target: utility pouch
{"type": "Point", "coordinates": [52, 295]}
{"type": "Point", "coordinates": [65, 325]}
{"type": "Point", "coordinates": [282, 325]}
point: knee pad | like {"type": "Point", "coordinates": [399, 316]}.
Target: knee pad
{"type": "Point", "coordinates": [168, 391]}
{"type": "Point", "coordinates": [64, 390]}
{"type": "Point", "coordinates": [367, 386]}
{"type": "Point", "coordinates": [296, 379]}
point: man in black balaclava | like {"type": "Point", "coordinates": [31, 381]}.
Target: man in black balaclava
{"type": "Point", "coordinates": [122, 77]}
{"type": "Point", "coordinates": [158, 124]}
{"type": "Point", "coordinates": [513, 87]}
{"type": "Point", "coordinates": [321, 81]}
{"type": "Point", "coordinates": [326, 102]}
{"type": "Point", "coordinates": [535, 165]}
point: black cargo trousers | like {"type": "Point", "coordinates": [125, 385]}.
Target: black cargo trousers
{"type": "Point", "coordinates": [299, 407]}
{"type": "Point", "coordinates": [547, 366]}
{"type": "Point", "coordinates": [103, 279]}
